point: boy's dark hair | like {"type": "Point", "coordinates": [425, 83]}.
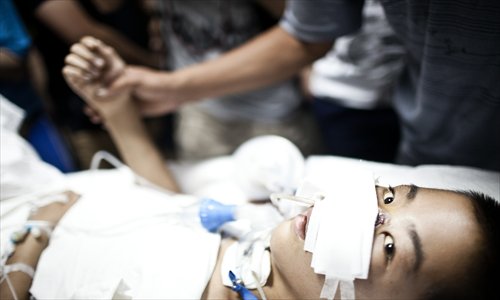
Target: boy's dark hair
{"type": "Point", "coordinates": [481, 281]}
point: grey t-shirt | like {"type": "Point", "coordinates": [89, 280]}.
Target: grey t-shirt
{"type": "Point", "coordinates": [449, 102]}
{"type": "Point", "coordinates": [196, 31]}
{"type": "Point", "coordinates": [362, 68]}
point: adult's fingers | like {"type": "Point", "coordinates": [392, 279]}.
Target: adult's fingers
{"type": "Point", "coordinates": [90, 42]}
{"type": "Point", "coordinates": [106, 51]}
{"type": "Point", "coordinates": [75, 77]}
{"type": "Point", "coordinates": [108, 54]}
{"type": "Point", "coordinates": [90, 56]}
{"type": "Point", "coordinates": [78, 83]}
{"type": "Point", "coordinates": [123, 83]}
{"type": "Point", "coordinates": [87, 69]}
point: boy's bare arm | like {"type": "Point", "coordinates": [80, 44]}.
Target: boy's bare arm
{"type": "Point", "coordinates": [137, 148]}
{"type": "Point", "coordinates": [28, 250]}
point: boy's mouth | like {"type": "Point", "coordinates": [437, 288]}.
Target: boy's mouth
{"type": "Point", "coordinates": [300, 223]}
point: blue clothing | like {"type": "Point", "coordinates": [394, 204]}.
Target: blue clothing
{"type": "Point", "coordinates": [449, 102]}
{"type": "Point", "coordinates": [42, 134]}
{"type": "Point", "coordinates": [13, 35]}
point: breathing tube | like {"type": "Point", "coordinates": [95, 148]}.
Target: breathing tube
{"type": "Point", "coordinates": [240, 288]}
{"type": "Point", "coordinates": [246, 263]}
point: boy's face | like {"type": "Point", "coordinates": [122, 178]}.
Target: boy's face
{"type": "Point", "coordinates": [425, 237]}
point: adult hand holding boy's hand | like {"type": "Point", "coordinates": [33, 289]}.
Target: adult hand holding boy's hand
{"type": "Point", "coordinates": [90, 68]}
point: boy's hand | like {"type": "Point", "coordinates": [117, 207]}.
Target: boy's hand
{"type": "Point", "coordinates": [100, 61]}
{"type": "Point", "coordinates": [90, 67]}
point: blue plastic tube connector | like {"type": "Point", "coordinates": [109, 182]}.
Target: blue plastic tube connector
{"type": "Point", "coordinates": [214, 214]}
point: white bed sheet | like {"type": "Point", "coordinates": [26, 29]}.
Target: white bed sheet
{"type": "Point", "coordinates": [138, 269]}
{"type": "Point", "coordinates": [121, 240]}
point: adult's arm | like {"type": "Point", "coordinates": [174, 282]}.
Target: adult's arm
{"type": "Point", "coordinates": [70, 21]}
{"type": "Point", "coordinates": [271, 57]}
{"type": "Point", "coordinates": [305, 33]}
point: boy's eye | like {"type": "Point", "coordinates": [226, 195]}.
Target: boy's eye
{"type": "Point", "coordinates": [388, 197]}
{"type": "Point", "coordinates": [389, 247]}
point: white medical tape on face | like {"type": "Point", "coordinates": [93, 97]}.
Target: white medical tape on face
{"type": "Point", "coordinates": [313, 228]}
{"type": "Point", "coordinates": [340, 229]}
{"type": "Point", "coordinates": [329, 288]}
{"type": "Point", "coordinates": [347, 290]}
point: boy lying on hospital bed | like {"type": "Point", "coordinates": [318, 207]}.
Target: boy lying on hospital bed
{"type": "Point", "coordinates": [123, 241]}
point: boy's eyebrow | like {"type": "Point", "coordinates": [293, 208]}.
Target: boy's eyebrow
{"type": "Point", "coordinates": [412, 192]}
{"type": "Point", "coordinates": [417, 245]}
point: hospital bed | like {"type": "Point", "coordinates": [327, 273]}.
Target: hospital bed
{"type": "Point", "coordinates": [258, 168]}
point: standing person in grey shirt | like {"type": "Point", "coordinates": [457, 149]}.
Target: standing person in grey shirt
{"type": "Point", "coordinates": [195, 31]}
{"type": "Point", "coordinates": [351, 90]}
{"type": "Point", "coordinates": [448, 102]}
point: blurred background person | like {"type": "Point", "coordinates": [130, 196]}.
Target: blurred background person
{"type": "Point", "coordinates": [54, 26]}
{"type": "Point", "coordinates": [194, 31]}
{"type": "Point", "coordinates": [22, 81]}
{"type": "Point", "coordinates": [446, 98]}
{"type": "Point", "coordinates": [351, 90]}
